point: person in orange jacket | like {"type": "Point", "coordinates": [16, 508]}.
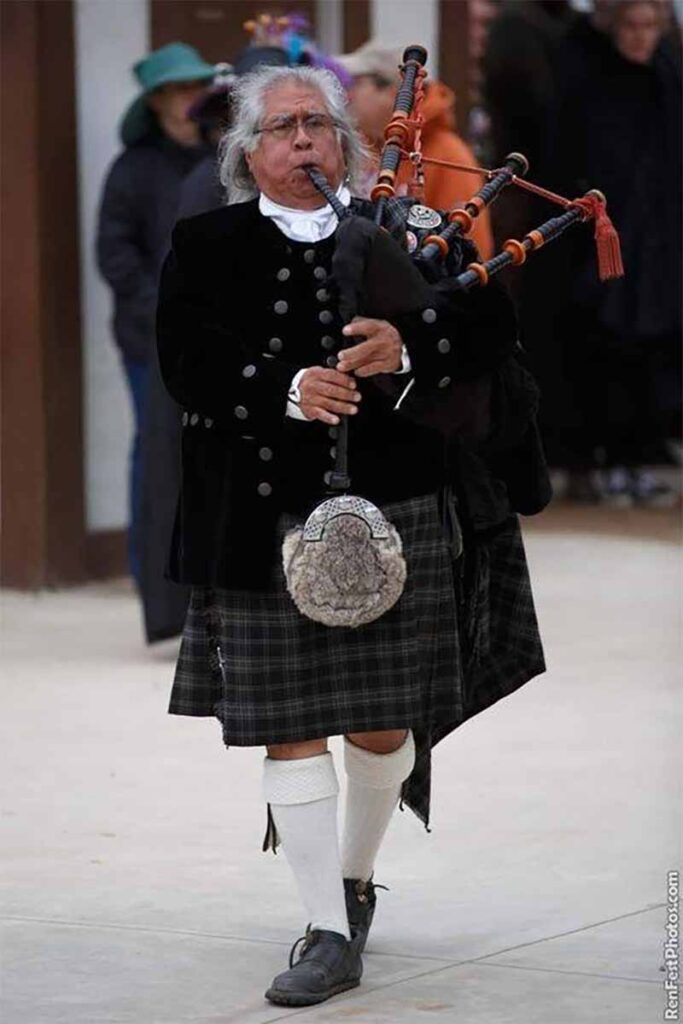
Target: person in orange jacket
{"type": "Point", "coordinates": [375, 78]}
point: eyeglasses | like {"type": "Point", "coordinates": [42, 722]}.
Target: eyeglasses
{"type": "Point", "coordinates": [284, 128]}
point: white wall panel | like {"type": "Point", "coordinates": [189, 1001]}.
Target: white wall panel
{"type": "Point", "coordinates": [400, 22]}
{"type": "Point", "coordinates": [110, 36]}
{"type": "Point", "coordinates": [330, 28]}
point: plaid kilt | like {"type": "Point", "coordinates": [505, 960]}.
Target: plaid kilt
{"type": "Point", "coordinates": [462, 635]}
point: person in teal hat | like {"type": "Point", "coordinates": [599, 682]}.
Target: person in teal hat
{"type": "Point", "coordinates": [138, 209]}
{"type": "Point", "coordinates": [171, 79]}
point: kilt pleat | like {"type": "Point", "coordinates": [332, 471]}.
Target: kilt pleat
{"type": "Point", "coordinates": [462, 635]}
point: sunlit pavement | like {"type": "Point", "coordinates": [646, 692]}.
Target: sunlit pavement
{"type": "Point", "coordinates": [135, 889]}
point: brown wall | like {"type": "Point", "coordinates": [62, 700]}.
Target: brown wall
{"type": "Point", "coordinates": [356, 28]}
{"type": "Point", "coordinates": [454, 63]}
{"type": "Point", "coordinates": [41, 439]}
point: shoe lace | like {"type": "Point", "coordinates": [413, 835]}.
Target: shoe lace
{"type": "Point", "coordinates": [308, 940]}
{"type": "Point", "coordinates": [362, 888]}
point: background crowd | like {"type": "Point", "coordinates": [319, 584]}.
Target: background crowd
{"type": "Point", "coordinates": [593, 98]}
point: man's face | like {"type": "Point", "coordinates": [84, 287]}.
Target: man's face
{"type": "Point", "coordinates": [172, 101]}
{"type": "Point", "coordinates": [637, 32]}
{"type": "Point", "coordinates": [278, 160]}
{"type": "Point", "coordinates": [372, 101]}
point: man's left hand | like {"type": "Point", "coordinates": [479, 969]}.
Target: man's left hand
{"type": "Point", "coordinates": [379, 353]}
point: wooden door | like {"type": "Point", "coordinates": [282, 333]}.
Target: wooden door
{"type": "Point", "coordinates": [214, 27]}
{"type": "Point", "coordinates": [41, 458]}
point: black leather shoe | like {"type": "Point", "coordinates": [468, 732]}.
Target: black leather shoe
{"type": "Point", "coordinates": [328, 964]}
{"type": "Point", "coordinates": [360, 907]}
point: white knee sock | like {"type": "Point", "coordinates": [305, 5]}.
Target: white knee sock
{"type": "Point", "coordinates": [373, 792]}
{"type": "Point", "coordinates": [302, 794]}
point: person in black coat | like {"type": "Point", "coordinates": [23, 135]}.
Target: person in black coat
{"type": "Point", "coordinates": [617, 127]}
{"type": "Point", "coordinates": [137, 211]}
{"type": "Point", "coordinates": [250, 332]}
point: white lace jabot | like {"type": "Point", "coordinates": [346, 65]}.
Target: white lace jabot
{"type": "Point", "coordinates": [304, 225]}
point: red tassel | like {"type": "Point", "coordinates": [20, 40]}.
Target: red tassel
{"type": "Point", "coordinates": [607, 242]}
{"type": "Point", "coordinates": [610, 264]}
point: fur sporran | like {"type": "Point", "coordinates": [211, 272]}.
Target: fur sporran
{"type": "Point", "coordinates": [345, 565]}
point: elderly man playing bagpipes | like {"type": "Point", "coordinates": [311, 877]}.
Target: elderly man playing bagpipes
{"type": "Point", "coordinates": [359, 436]}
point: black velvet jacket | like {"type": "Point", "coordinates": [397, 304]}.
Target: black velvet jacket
{"type": "Point", "coordinates": [241, 309]}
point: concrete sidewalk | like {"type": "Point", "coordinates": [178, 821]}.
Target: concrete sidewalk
{"type": "Point", "coordinates": [135, 890]}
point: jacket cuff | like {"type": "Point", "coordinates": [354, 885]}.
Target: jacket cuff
{"type": "Point", "coordinates": [294, 398]}
{"type": "Point", "coordinates": [406, 365]}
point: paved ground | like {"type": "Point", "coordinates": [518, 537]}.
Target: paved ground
{"type": "Point", "coordinates": [135, 891]}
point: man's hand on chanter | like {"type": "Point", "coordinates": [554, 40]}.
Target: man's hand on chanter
{"type": "Point", "coordinates": [379, 353]}
{"type": "Point", "coordinates": [326, 392]}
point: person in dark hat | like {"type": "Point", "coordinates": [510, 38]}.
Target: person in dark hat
{"type": "Point", "coordinates": [202, 190]}
{"type": "Point", "coordinates": [250, 336]}
{"type": "Point", "coordinates": [137, 212]}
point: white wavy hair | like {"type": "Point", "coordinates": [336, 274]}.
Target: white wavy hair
{"type": "Point", "coordinates": [248, 102]}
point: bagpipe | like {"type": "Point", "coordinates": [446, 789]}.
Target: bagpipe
{"type": "Point", "coordinates": [403, 142]}
{"type": "Point", "coordinates": [344, 565]}
{"type": "Point", "coordinates": [378, 276]}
